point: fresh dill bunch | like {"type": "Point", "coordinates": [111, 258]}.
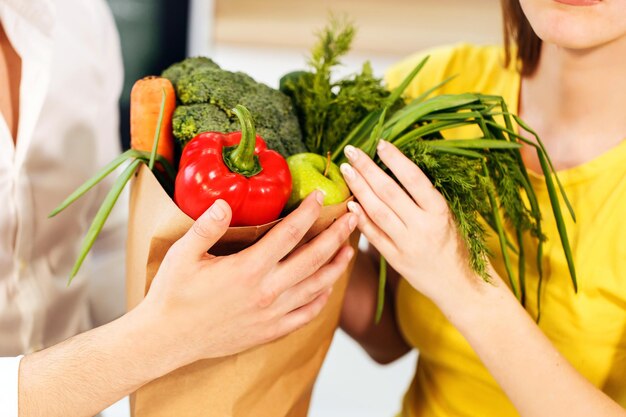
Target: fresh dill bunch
{"type": "Point", "coordinates": [329, 109]}
{"type": "Point", "coordinates": [334, 41]}
{"type": "Point", "coordinates": [507, 177]}
{"type": "Point", "coordinates": [355, 98]}
{"type": "Point", "coordinates": [312, 92]}
{"type": "Point", "coordinates": [461, 182]}
{"type": "Point", "coordinates": [482, 178]}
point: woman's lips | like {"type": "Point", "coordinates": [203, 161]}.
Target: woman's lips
{"type": "Point", "coordinates": [579, 2]}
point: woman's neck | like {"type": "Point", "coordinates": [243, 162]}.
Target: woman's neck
{"type": "Point", "coordinates": [575, 101]}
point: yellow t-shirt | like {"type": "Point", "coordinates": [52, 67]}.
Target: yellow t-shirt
{"type": "Point", "coordinates": [588, 328]}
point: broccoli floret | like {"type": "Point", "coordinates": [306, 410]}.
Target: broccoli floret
{"type": "Point", "coordinates": [182, 69]}
{"type": "Point", "coordinates": [209, 93]}
{"type": "Point", "coordinates": [219, 87]}
{"type": "Point", "coordinates": [188, 121]}
{"type": "Point", "coordinates": [291, 129]}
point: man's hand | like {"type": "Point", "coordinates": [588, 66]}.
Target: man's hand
{"type": "Point", "coordinates": [218, 306]}
{"type": "Point", "coordinates": [199, 306]}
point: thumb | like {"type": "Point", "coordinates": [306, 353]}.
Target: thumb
{"type": "Point", "coordinates": [207, 230]}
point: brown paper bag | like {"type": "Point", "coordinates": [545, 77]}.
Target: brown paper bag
{"type": "Point", "coordinates": [272, 380]}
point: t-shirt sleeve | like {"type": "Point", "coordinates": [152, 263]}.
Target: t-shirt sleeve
{"type": "Point", "coordinates": [9, 371]}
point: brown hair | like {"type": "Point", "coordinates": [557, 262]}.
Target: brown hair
{"type": "Point", "coordinates": [519, 34]}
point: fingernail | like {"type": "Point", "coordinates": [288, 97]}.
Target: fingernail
{"type": "Point", "coordinates": [351, 152]}
{"type": "Point", "coordinates": [319, 196]}
{"type": "Point", "coordinates": [352, 222]}
{"type": "Point", "coordinates": [216, 211]}
{"type": "Point", "coordinates": [353, 207]}
{"type": "Point", "coordinates": [347, 171]}
{"type": "Point", "coordinates": [381, 144]}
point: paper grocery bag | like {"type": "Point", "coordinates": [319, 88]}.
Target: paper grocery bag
{"type": "Point", "coordinates": [273, 380]}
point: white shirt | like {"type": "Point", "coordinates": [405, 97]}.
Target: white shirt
{"type": "Point", "coordinates": [68, 128]}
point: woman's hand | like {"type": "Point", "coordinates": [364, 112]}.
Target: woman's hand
{"type": "Point", "coordinates": [217, 306]}
{"type": "Point", "coordinates": [413, 229]}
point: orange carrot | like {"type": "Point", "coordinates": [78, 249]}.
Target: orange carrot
{"type": "Point", "coordinates": [145, 105]}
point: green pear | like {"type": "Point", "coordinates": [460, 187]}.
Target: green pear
{"type": "Point", "coordinates": [310, 172]}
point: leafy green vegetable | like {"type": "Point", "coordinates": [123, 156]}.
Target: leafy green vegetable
{"type": "Point", "coordinates": [329, 109]}
{"type": "Point", "coordinates": [483, 179]}
{"type": "Point", "coordinates": [502, 197]}
{"type": "Point", "coordinates": [355, 99]}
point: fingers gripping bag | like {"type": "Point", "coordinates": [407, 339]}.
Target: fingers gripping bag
{"type": "Point", "coordinates": [273, 380]}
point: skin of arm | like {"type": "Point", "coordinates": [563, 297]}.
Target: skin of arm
{"type": "Point", "coordinates": [199, 306]}
{"type": "Point", "coordinates": [382, 341]}
{"type": "Point", "coordinates": [532, 373]}
{"type": "Point", "coordinates": [86, 373]}
{"type": "Point", "coordinates": [538, 380]}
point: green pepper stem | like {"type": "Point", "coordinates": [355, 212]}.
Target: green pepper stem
{"type": "Point", "coordinates": [242, 158]}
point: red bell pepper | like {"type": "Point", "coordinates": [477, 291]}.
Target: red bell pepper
{"type": "Point", "coordinates": [237, 168]}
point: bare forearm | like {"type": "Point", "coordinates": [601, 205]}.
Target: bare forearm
{"type": "Point", "coordinates": [382, 341]}
{"type": "Point", "coordinates": [534, 375]}
{"type": "Point", "coordinates": [87, 373]}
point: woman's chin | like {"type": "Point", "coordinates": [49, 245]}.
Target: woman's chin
{"type": "Point", "coordinates": [577, 24]}
{"type": "Point", "coordinates": [570, 37]}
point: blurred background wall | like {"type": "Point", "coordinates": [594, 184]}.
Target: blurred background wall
{"type": "Point", "coordinates": [388, 27]}
{"type": "Point", "coordinates": [267, 38]}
